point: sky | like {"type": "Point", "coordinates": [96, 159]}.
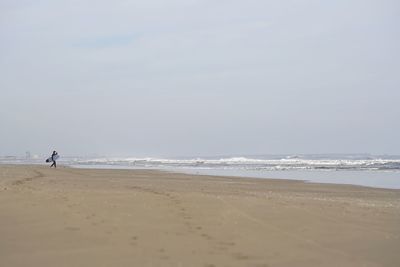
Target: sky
{"type": "Point", "coordinates": [199, 77]}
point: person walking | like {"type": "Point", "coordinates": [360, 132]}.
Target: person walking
{"type": "Point", "coordinates": [53, 158]}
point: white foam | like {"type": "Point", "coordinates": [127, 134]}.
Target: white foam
{"type": "Point", "coordinates": [254, 163]}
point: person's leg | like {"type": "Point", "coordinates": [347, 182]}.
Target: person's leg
{"type": "Point", "coordinates": [52, 164]}
{"type": "Point", "coordinates": [55, 164]}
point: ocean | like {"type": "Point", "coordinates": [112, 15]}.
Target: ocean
{"type": "Point", "coordinates": [358, 169]}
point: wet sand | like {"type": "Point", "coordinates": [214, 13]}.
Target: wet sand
{"type": "Point", "coordinates": [82, 217]}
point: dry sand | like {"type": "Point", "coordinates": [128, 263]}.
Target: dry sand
{"type": "Point", "coordinates": [78, 217]}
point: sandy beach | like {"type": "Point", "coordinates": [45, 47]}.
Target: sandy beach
{"type": "Point", "coordinates": [87, 217]}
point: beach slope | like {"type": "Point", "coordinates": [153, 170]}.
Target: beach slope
{"type": "Point", "coordinates": [84, 217]}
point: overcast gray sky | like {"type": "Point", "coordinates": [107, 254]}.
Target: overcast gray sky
{"type": "Point", "coordinates": [199, 77]}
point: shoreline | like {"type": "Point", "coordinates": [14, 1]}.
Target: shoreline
{"type": "Point", "coordinates": [194, 172]}
{"type": "Point", "coordinates": [103, 217]}
{"type": "Point", "coordinates": [293, 175]}
{"type": "Point", "coordinates": [368, 178]}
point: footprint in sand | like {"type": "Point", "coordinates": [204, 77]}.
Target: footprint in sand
{"type": "Point", "coordinates": [240, 256]}
{"type": "Point", "coordinates": [133, 241]}
{"type": "Point", "coordinates": [224, 243]}
{"type": "Point", "coordinates": [71, 228]}
{"type": "Point", "coordinates": [206, 236]}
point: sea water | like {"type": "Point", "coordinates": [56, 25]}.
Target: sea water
{"type": "Point", "coordinates": [358, 169]}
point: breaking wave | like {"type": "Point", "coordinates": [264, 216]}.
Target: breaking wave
{"type": "Point", "coordinates": [286, 163]}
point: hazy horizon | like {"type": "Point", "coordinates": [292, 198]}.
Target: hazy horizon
{"type": "Point", "coordinates": [199, 78]}
{"type": "Point", "coordinates": [329, 156]}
